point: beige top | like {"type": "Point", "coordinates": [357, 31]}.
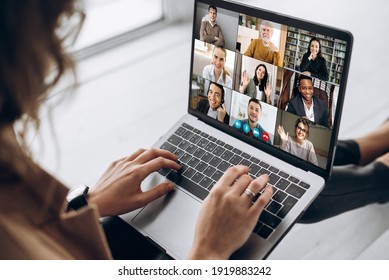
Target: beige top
{"type": "Point", "coordinates": [33, 224]}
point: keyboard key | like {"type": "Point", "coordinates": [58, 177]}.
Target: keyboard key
{"type": "Point", "coordinates": [189, 172]}
{"type": "Point", "coordinates": [215, 161]}
{"type": "Point", "coordinates": [184, 144]}
{"type": "Point", "coordinates": [179, 153]}
{"type": "Point", "coordinates": [288, 203]}
{"type": "Point", "coordinates": [235, 160]}
{"type": "Point", "coordinates": [205, 182]}
{"type": "Point", "coordinates": [164, 171]}
{"type": "Point", "coordinates": [245, 155]}
{"type": "Point", "coordinates": [226, 155]}
{"type": "Point", "coordinates": [193, 162]}
{"type": "Point", "coordinates": [269, 219]}
{"type": "Point", "coordinates": [201, 166]}
{"type": "Point", "coordinates": [283, 174]}
{"type": "Point", "coordinates": [273, 178]}
{"type": "Point", "coordinates": [192, 187]}
{"type": "Point", "coordinates": [236, 151]}
{"type": "Point", "coordinates": [195, 138]}
{"type": "Point", "coordinates": [254, 169]}
{"type": "Point", "coordinates": [180, 131]}
{"type": "Point", "coordinates": [191, 149]}
{"type": "Point", "coordinates": [197, 177]}
{"type": "Point", "coordinates": [168, 147]}
{"type": "Point", "coordinates": [216, 176]}
{"type": "Point", "coordinates": [196, 131]}
{"type": "Point", "coordinates": [203, 143]}
{"type": "Point", "coordinates": [282, 184]}
{"type": "Point", "coordinates": [255, 160]}
{"type": "Point", "coordinates": [210, 147]}
{"type": "Point", "coordinates": [304, 185]}
{"type": "Point", "coordinates": [295, 190]}
{"type": "Point", "coordinates": [220, 143]}
{"type": "Point", "coordinates": [293, 179]}
{"type": "Point", "coordinates": [185, 158]}
{"type": "Point", "coordinates": [245, 162]}
{"type": "Point", "coordinates": [265, 231]}
{"type": "Point", "coordinates": [187, 126]}
{"type": "Point", "coordinates": [273, 169]}
{"type": "Point", "coordinates": [187, 135]}
{"type": "Point", "coordinates": [173, 175]}
{"type": "Point", "coordinates": [199, 153]}
{"type": "Point", "coordinates": [223, 166]}
{"type": "Point", "coordinates": [209, 171]}
{"type": "Point", "coordinates": [207, 157]}
{"type": "Point", "coordinates": [228, 147]}
{"type": "Point", "coordinates": [279, 196]}
{"type": "Point", "coordinates": [218, 151]}
{"type": "Point", "coordinates": [174, 139]}
{"type": "Point", "coordinates": [212, 139]}
{"type": "Point", "coordinates": [264, 164]}
{"type": "Point", "coordinates": [273, 207]}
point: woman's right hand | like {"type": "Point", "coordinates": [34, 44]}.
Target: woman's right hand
{"type": "Point", "coordinates": [284, 136]}
{"type": "Point", "coordinates": [229, 215]}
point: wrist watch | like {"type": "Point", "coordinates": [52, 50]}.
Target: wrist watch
{"type": "Point", "coordinates": [77, 197]}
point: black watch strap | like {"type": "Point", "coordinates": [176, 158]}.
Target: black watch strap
{"type": "Point", "coordinates": [79, 200]}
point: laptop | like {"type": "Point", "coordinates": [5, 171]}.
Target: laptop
{"type": "Point", "coordinates": [234, 117]}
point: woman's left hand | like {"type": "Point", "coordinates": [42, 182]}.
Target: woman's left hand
{"type": "Point", "coordinates": [119, 191]}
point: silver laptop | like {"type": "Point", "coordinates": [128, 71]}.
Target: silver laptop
{"type": "Point", "coordinates": [249, 64]}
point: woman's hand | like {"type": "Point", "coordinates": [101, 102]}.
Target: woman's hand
{"type": "Point", "coordinates": [284, 136]}
{"type": "Point", "coordinates": [119, 190]}
{"type": "Point", "coordinates": [229, 215]}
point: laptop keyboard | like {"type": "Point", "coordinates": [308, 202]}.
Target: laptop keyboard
{"type": "Point", "coordinates": [204, 159]}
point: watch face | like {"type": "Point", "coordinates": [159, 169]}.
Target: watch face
{"type": "Point", "coordinates": [76, 191]}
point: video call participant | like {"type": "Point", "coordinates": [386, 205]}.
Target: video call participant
{"type": "Point", "coordinates": [298, 144]}
{"type": "Point", "coordinates": [210, 31]}
{"type": "Point", "coordinates": [213, 107]}
{"type": "Point", "coordinates": [216, 71]}
{"type": "Point", "coordinates": [305, 104]}
{"type": "Point", "coordinates": [251, 126]}
{"type": "Point", "coordinates": [262, 48]}
{"type": "Point", "coordinates": [313, 63]}
{"type": "Point", "coordinates": [257, 87]}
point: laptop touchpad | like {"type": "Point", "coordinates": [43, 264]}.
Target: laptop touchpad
{"type": "Point", "coordinates": [170, 221]}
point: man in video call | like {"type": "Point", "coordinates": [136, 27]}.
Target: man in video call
{"type": "Point", "coordinates": [305, 104]}
{"type": "Point", "coordinates": [210, 31]}
{"type": "Point", "coordinates": [251, 126]}
{"type": "Point", "coordinates": [262, 48]}
{"type": "Point", "coordinates": [214, 107]}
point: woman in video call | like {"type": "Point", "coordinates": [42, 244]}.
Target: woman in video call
{"type": "Point", "coordinates": [313, 63]}
{"type": "Point", "coordinates": [214, 107]}
{"type": "Point", "coordinates": [305, 104]}
{"type": "Point", "coordinates": [216, 71]}
{"type": "Point", "coordinates": [34, 220]}
{"type": "Point", "coordinates": [259, 86]}
{"type": "Point", "coordinates": [298, 144]}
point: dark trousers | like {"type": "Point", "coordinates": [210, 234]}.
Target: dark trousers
{"type": "Point", "coordinates": [351, 186]}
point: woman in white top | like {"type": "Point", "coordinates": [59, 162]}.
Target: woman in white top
{"type": "Point", "coordinates": [298, 144]}
{"type": "Point", "coordinates": [216, 71]}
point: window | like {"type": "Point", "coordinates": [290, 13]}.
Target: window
{"type": "Point", "coordinates": [109, 22]}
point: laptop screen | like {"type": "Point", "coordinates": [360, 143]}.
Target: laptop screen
{"type": "Point", "coordinates": [273, 81]}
